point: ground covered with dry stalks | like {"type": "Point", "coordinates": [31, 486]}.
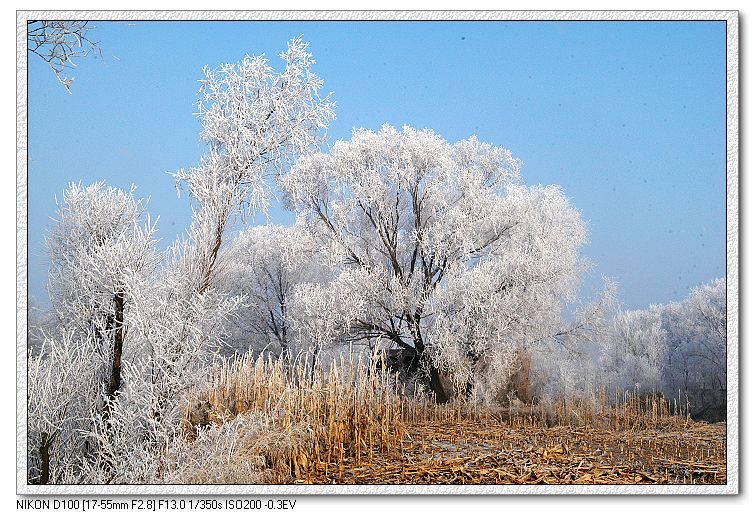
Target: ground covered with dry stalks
{"type": "Point", "coordinates": [355, 424]}
{"type": "Point", "coordinates": [499, 453]}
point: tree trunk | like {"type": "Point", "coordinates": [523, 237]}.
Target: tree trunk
{"type": "Point", "coordinates": [114, 383]}
{"type": "Point", "coordinates": [44, 457]}
{"type": "Point", "coordinates": [285, 349]}
{"type": "Point", "coordinates": [419, 346]}
{"type": "Point", "coordinates": [315, 351]}
{"type": "Point", "coordinates": [436, 386]}
{"type": "Point", "coordinates": [115, 373]}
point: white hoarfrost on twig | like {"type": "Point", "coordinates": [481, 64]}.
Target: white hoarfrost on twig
{"type": "Point", "coordinates": [60, 43]}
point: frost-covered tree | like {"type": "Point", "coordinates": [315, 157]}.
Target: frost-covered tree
{"type": "Point", "coordinates": [101, 247]}
{"type": "Point", "coordinates": [635, 356]}
{"type": "Point", "coordinates": [677, 349]}
{"type": "Point", "coordinates": [255, 122]}
{"type": "Point", "coordinates": [695, 331]}
{"type": "Point", "coordinates": [97, 247]}
{"type": "Point", "coordinates": [707, 303]}
{"type": "Point", "coordinates": [84, 278]}
{"type": "Point", "coordinates": [443, 252]}
{"type": "Point", "coordinates": [567, 363]}
{"type": "Point", "coordinates": [64, 388]}
{"type": "Point", "coordinates": [264, 265]}
{"type": "Point", "coordinates": [168, 319]}
{"type": "Point", "coordinates": [60, 43]}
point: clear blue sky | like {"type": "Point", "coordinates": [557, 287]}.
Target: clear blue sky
{"type": "Point", "coordinates": [629, 118]}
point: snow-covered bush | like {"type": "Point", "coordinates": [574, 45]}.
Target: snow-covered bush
{"type": "Point", "coordinates": [64, 376]}
{"type": "Point", "coordinates": [246, 449]}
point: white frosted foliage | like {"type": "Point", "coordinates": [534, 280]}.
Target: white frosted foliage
{"type": "Point", "coordinates": [443, 251]}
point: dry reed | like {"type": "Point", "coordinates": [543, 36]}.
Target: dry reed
{"type": "Point", "coordinates": [615, 410]}
{"type": "Point", "coordinates": [354, 409]}
{"type": "Point", "coordinates": [360, 420]}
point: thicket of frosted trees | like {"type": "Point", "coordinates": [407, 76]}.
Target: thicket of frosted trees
{"type": "Point", "coordinates": [136, 328]}
{"type": "Point", "coordinates": [403, 242]}
{"type": "Point", "coordinates": [676, 349]}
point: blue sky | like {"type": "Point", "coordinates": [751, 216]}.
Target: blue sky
{"type": "Point", "coordinates": [628, 117]}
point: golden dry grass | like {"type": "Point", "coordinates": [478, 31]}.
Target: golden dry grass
{"type": "Point", "coordinates": [363, 427]}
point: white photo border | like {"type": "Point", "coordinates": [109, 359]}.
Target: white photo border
{"type": "Point", "coordinates": [732, 252]}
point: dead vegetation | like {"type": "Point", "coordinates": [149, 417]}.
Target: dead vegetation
{"type": "Point", "coordinates": [355, 424]}
{"type": "Point", "coordinates": [473, 453]}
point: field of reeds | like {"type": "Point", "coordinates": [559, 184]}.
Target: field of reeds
{"type": "Point", "coordinates": [355, 423]}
